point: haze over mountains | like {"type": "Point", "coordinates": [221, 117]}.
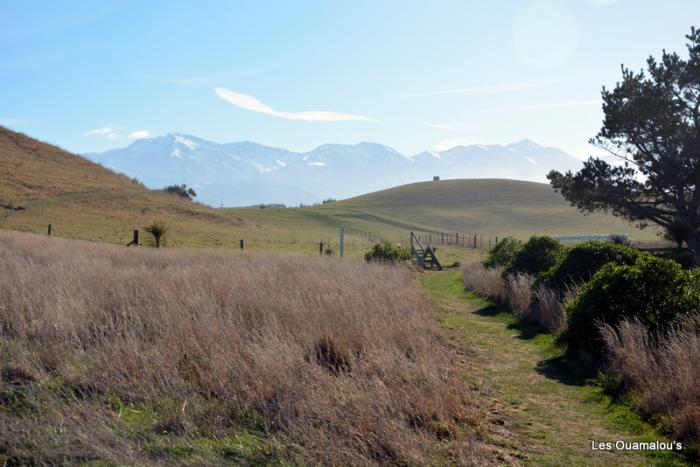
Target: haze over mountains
{"type": "Point", "coordinates": [247, 173]}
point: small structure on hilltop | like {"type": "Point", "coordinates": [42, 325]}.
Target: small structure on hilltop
{"type": "Point", "coordinates": [436, 178]}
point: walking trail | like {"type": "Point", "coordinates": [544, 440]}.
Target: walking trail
{"type": "Point", "coordinates": [545, 406]}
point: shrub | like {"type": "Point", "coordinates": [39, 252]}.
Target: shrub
{"type": "Point", "coordinates": [181, 191]}
{"type": "Point", "coordinates": [503, 254]}
{"type": "Point", "coordinates": [660, 373]}
{"type": "Point", "coordinates": [159, 230]}
{"type": "Point", "coordinates": [581, 262]}
{"type": "Point", "coordinates": [653, 290]}
{"type": "Point", "coordinates": [386, 252]}
{"type": "Point", "coordinates": [620, 239]}
{"type": "Point", "coordinates": [682, 256]}
{"type": "Point", "coordinates": [539, 254]}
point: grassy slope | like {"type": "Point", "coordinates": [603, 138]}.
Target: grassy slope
{"type": "Point", "coordinates": [550, 401]}
{"type": "Point", "coordinates": [482, 206]}
{"type": "Point", "coordinates": [84, 200]}
{"type": "Point", "coordinates": [87, 201]}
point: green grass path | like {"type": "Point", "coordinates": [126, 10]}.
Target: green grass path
{"type": "Point", "coordinates": [547, 407]}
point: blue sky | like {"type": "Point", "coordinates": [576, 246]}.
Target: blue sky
{"type": "Point", "coordinates": [90, 76]}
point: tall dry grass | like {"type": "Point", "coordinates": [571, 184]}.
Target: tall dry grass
{"type": "Point", "coordinates": [662, 372]}
{"type": "Point", "coordinates": [485, 282]}
{"type": "Point", "coordinates": [549, 306]}
{"type": "Point", "coordinates": [539, 305]}
{"type": "Point", "coordinates": [519, 294]}
{"type": "Point", "coordinates": [327, 361]}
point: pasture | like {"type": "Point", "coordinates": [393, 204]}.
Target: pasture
{"type": "Point", "coordinates": [132, 355]}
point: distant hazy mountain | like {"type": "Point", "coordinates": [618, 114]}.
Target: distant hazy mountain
{"type": "Point", "coordinates": [246, 173]}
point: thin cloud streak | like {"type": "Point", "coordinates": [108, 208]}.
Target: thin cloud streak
{"type": "Point", "coordinates": [569, 104]}
{"type": "Point", "coordinates": [140, 134]}
{"type": "Point", "coordinates": [502, 88]}
{"type": "Point", "coordinates": [106, 131]}
{"type": "Point", "coordinates": [253, 104]}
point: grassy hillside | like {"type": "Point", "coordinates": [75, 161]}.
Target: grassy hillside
{"type": "Point", "coordinates": [494, 207]}
{"type": "Point", "coordinates": [41, 184]}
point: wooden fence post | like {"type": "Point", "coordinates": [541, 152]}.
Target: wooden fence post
{"type": "Point", "coordinates": [475, 241]}
{"type": "Point", "coordinates": [242, 244]}
{"type": "Point", "coordinates": [136, 238]}
{"type": "Point", "coordinates": [49, 230]}
{"type": "Point", "coordinates": [320, 248]}
{"type": "Point", "coordinates": [341, 249]}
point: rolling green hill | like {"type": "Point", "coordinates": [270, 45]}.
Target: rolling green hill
{"type": "Point", "coordinates": [41, 184]}
{"type": "Point", "coordinates": [489, 207]}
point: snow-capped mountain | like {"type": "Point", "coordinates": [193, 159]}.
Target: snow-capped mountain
{"type": "Point", "coordinates": [246, 173]}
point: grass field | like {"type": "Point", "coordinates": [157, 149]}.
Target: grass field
{"type": "Point", "coordinates": [549, 398]}
{"type": "Point", "coordinates": [487, 207]}
{"type": "Point", "coordinates": [144, 356]}
{"type": "Point", "coordinates": [42, 184]}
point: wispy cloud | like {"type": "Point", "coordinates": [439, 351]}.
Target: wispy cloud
{"type": "Point", "coordinates": [106, 131]}
{"type": "Point", "coordinates": [140, 134]}
{"type": "Point", "coordinates": [501, 88]}
{"type": "Point", "coordinates": [251, 103]}
{"type": "Point", "coordinates": [567, 104]}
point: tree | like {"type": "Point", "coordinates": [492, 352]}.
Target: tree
{"type": "Point", "coordinates": [158, 230]}
{"type": "Point", "coordinates": [651, 122]}
{"type": "Point", "coordinates": [181, 190]}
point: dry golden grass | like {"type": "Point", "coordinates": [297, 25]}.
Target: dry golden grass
{"type": "Point", "coordinates": [519, 293]}
{"type": "Point", "coordinates": [41, 184]}
{"type": "Point", "coordinates": [139, 355]}
{"type": "Point", "coordinates": [539, 305]}
{"type": "Point", "coordinates": [486, 282]}
{"type": "Point", "coordinates": [548, 307]}
{"type": "Point", "coordinates": [662, 373]}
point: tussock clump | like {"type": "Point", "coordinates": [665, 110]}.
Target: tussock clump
{"type": "Point", "coordinates": [548, 307]}
{"type": "Point", "coordinates": [486, 282]}
{"type": "Point", "coordinates": [662, 372]}
{"type": "Point", "coordinates": [531, 302]}
{"type": "Point", "coordinates": [332, 356]}
{"type": "Point", "coordinates": [167, 355]}
{"type": "Point", "coordinates": [519, 293]}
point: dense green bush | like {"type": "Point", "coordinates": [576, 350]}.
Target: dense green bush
{"type": "Point", "coordinates": [503, 254]}
{"type": "Point", "coordinates": [682, 256]}
{"type": "Point", "coordinates": [652, 290]}
{"type": "Point", "coordinates": [538, 254]}
{"type": "Point", "coordinates": [385, 251]}
{"type": "Point", "coordinates": [581, 262]}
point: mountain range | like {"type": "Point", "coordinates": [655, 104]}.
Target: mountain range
{"type": "Point", "coordinates": [247, 173]}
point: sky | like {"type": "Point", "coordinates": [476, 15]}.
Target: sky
{"type": "Point", "coordinates": [413, 75]}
